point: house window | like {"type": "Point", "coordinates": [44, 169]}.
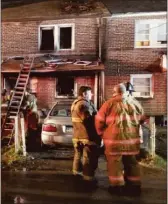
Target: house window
{"type": "Point", "coordinates": [142, 84]}
{"type": "Point", "coordinates": [56, 37]}
{"type": "Point", "coordinates": [150, 33]}
{"type": "Point", "coordinates": [47, 38]}
{"type": "Point", "coordinates": [9, 83]}
{"type": "Point", "coordinates": [65, 87]}
{"type": "Point", "coordinates": [65, 38]}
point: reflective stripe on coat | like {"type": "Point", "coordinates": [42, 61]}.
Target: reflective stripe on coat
{"type": "Point", "coordinates": [118, 122]}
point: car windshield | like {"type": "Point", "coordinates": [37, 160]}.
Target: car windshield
{"type": "Point", "coordinates": [62, 110]}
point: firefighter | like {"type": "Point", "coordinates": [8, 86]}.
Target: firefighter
{"type": "Point", "coordinates": [85, 139]}
{"type": "Point", "coordinates": [4, 96]}
{"type": "Point", "coordinates": [117, 122]}
{"type": "Point", "coordinates": [32, 120]}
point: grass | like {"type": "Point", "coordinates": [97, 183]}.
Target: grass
{"type": "Point", "coordinates": [9, 156]}
{"type": "Point", "coordinates": [155, 162]}
{"type": "Point", "coordinates": [159, 162]}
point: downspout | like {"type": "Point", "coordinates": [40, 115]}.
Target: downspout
{"type": "Point", "coordinates": [99, 33]}
{"type": "Point", "coordinates": [101, 77]}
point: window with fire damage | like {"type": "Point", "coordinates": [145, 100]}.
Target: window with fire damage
{"type": "Point", "coordinates": [150, 33]}
{"type": "Point", "coordinates": [143, 85]}
{"type": "Point", "coordinates": [65, 86]}
{"type": "Point", "coordinates": [47, 38]}
{"type": "Point", "coordinates": [65, 40]}
{"type": "Point", "coordinates": [9, 82]}
{"type": "Point", "coordinates": [57, 37]}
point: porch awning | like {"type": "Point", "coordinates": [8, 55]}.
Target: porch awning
{"type": "Point", "coordinates": [47, 66]}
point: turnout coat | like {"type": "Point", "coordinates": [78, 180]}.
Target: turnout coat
{"type": "Point", "coordinates": [118, 122]}
{"type": "Point", "coordinates": [83, 113]}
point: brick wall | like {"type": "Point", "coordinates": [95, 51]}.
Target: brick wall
{"type": "Point", "coordinates": [122, 59]}
{"type": "Point", "coordinates": [22, 37]}
{"type": "Point", "coordinates": [46, 89]}
{"type": "Point", "coordinates": [153, 106]}
{"type": "Point", "coordinates": [46, 92]}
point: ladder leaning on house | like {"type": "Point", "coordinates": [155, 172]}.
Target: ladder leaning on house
{"type": "Point", "coordinates": [16, 101]}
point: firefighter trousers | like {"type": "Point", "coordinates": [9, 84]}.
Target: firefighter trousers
{"type": "Point", "coordinates": [85, 160]}
{"type": "Point", "coordinates": [123, 169]}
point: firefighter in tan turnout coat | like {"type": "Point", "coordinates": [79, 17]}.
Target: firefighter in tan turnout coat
{"type": "Point", "coordinates": [85, 139]}
{"type": "Point", "coordinates": [118, 122]}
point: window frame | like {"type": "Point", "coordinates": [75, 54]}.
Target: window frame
{"type": "Point", "coordinates": [152, 24]}
{"type": "Point", "coordinates": [150, 76]}
{"type": "Point", "coordinates": [56, 31]}
{"type": "Point", "coordinates": [73, 35]}
{"type": "Point", "coordinates": [62, 96]}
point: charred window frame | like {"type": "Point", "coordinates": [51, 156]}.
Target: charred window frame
{"type": "Point", "coordinates": [56, 37]}
{"type": "Point", "coordinates": [9, 82]}
{"type": "Point", "coordinates": [47, 38]}
{"type": "Point", "coordinates": [66, 87]}
{"type": "Point", "coordinates": [66, 37]}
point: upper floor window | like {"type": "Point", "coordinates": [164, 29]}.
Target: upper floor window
{"type": "Point", "coordinates": [150, 33]}
{"type": "Point", "coordinates": [143, 85]}
{"type": "Point", "coordinates": [56, 37]}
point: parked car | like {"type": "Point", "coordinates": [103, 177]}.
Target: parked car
{"type": "Point", "coordinates": [57, 128]}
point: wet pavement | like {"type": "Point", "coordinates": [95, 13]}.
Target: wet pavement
{"type": "Point", "coordinates": [59, 186]}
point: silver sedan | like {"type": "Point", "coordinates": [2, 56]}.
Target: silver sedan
{"type": "Point", "coordinates": [57, 128]}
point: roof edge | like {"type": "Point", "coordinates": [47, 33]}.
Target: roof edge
{"type": "Point", "coordinates": [131, 14]}
{"type": "Point", "coordinates": [63, 17]}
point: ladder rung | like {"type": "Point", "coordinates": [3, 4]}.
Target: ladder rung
{"type": "Point", "coordinates": [16, 107]}
{"type": "Point", "coordinates": [22, 79]}
{"type": "Point", "coordinates": [23, 75]}
{"type": "Point", "coordinates": [20, 88]}
{"type": "Point", "coordinates": [8, 129]}
{"type": "Point", "coordinates": [20, 84]}
{"type": "Point", "coordinates": [13, 112]}
{"type": "Point", "coordinates": [19, 97]}
{"type": "Point", "coordinates": [11, 117]}
{"type": "Point", "coordinates": [15, 102]}
{"type": "Point", "coordinates": [10, 123]}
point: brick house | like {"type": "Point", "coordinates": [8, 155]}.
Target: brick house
{"type": "Point", "coordinates": [135, 50]}
{"type": "Point", "coordinates": [72, 37]}
{"type": "Point", "coordinates": [132, 47]}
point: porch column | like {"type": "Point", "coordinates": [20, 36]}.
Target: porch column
{"type": "Point", "coordinates": [152, 136]}
{"type": "Point", "coordinates": [102, 81]}
{"type": "Point", "coordinates": [96, 90]}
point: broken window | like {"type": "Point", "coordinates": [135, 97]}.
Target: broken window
{"type": "Point", "coordinates": [47, 38]}
{"type": "Point", "coordinates": [65, 37]}
{"type": "Point", "coordinates": [65, 86]}
{"type": "Point", "coordinates": [9, 83]}
{"type": "Point", "coordinates": [56, 37]}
